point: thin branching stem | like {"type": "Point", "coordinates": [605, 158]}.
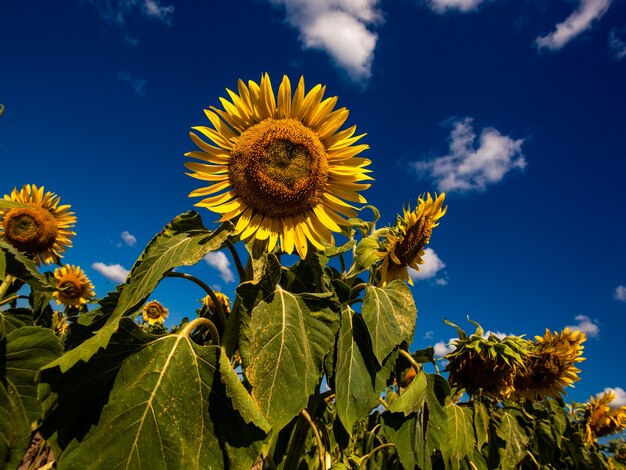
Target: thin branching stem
{"type": "Point", "coordinates": [320, 446]}
{"type": "Point", "coordinates": [4, 286]}
{"type": "Point", "coordinates": [218, 305]}
{"type": "Point", "coordinates": [201, 321]}
{"type": "Point", "coordinates": [343, 265]}
{"type": "Point", "coordinates": [11, 298]}
{"type": "Point", "coordinates": [240, 269]}
{"type": "Point", "coordinates": [382, 401]}
{"type": "Point", "coordinates": [409, 358]}
{"type": "Point", "coordinates": [376, 449]}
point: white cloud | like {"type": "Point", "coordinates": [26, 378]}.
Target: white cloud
{"type": "Point", "coordinates": [441, 281]}
{"type": "Point", "coordinates": [620, 396]}
{"type": "Point", "coordinates": [432, 265]}
{"type": "Point", "coordinates": [586, 325]}
{"type": "Point", "coordinates": [442, 349]}
{"type": "Point", "coordinates": [129, 238]}
{"type": "Point", "coordinates": [620, 293]}
{"type": "Point", "coordinates": [428, 335]}
{"type": "Point", "coordinates": [219, 261]}
{"type": "Point", "coordinates": [440, 6]}
{"type": "Point", "coordinates": [617, 46]}
{"type": "Point", "coordinates": [467, 167]}
{"type": "Point", "coordinates": [117, 11]}
{"type": "Point", "coordinates": [113, 272]}
{"type": "Point", "coordinates": [137, 84]}
{"type": "Point", "coordinates": [339, 27]}
{"type": "Point", "coordinates": [580, 20]}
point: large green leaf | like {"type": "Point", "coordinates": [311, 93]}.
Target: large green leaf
{"type": "Point", "coordinates": [358, 379]}
{"type": "Point", "coordinates": [390, 315]}
{"type": "Point", "coordinates": [183, 242]}
{"type": "Point", "coordinates": [409, 435]}
{"type": "Point", "coordinates": [481, 423]}
{"type": "Point", "coordinates": [412, 399]}
{"type": "Point", "coordinates": [515, 441]}
{"type": "Point", "coordinates": [460, 432]}
{"type": "Point", "coordinates": [23, 351]}
{"type": "Point", "coordinates": [21, 267]}
{"type": "Point", "coordinates": [169, 409]}
{"type": "Point", "coordinates": [288, 336]}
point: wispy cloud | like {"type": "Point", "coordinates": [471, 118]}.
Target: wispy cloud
{"type": "Point", "coordinates": [339, 27]}
{"type": "Point", "coordinates": [432, 265]}
{"type": "Point", "coordinates": [441, 6]}
{"type": "Point", "coordinates": [129, 238]}
{"type": "Point", "coordinates": [620, 396]}
{"type": "Point", "coordinates": [620, 293]}
{"type": "Point", "coordinates": [117, 11]}
{"type": "Point", "coordinates": [113, 272]}
{"type": "Point", "coordinates": [219, 261]}
{"type": "Point", "coordinates": [443, 349]}
{"type": "Point", "coordinates": [579, 21]}
{"type": "Point", "coordinates": [468, 166]}
{"type": "Point", "coordinates": [586, 325]}
{"type": "Point", "coordinates": [428, 335]}
{"type": "Point", "coordinates": [137, 84]}
{"type": "Point", "coordinates": [617, 45]}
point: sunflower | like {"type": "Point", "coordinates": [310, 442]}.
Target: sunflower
{"type": "Point", "coordinates": [551, 368]}
{"type": "Point", "coordinates": [60, 325]}
{"type": "Point", "coordinates": [153, 312]}
{"type": "Point", "coordinates": [222, 299]}
{"type": "Point", "coordinates": [73, 287]}
{"type": "Point", "coordinates": [41, 229]}
{"type": "Point", "coordinates": [404, 245]}
{"type": "Point", "coordinates": [279, 168]}
{"type": "Point", "coordinates": [601, 419]}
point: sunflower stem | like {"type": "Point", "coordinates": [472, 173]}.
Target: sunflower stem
{"type": "Point", "coordinates": [240, 269]}
{"type": "Point", "coordinates": [343, 265]}
{"type": "Point", "coordinates": [10, 299]}
{"type": "Point", "coordinates": [4, 286]}
{"type": "Point", "coordinates": [218, 306]}
{"type": "Point", "coordinates": [409, 358]}
{"type": "Point", "coordinates": [201, 321]}
{"type": "Point", "coordinates": [318, 438]}
{"type": "Point", "coordinates": [376, 449]}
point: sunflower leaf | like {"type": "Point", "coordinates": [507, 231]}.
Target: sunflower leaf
{"type": "Point", "coordinates": [515, 441]}
{"type": "Point", "coordinates": [366, 253]}
{"type": "Point", "coordinates": [287, 337]}
{"type": "Point", "coordinates": [412, 399]}
{"type": "Point", "coordinates": [23, 351]}
{"type": "Point", "coordinates": [23, 268]}
{"type": "Point", "coordinates": [183, 242]}
{"type": "Point", "coordinates": [390, 314]}
{"type": "Point", "coordinates": [460, 436]}
{"type": "Point", "coordinates": [169, 408]}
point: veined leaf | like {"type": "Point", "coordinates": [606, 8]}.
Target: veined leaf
{"type": "Point", "coordinates": [460, 432]}
{"type": "Point", "coordinates": [183, 242]}
{"type": "Point", "coordinates": [169, 409]}
{"type": "Point", "coordinates": [412, 399]}
{"type": "Point", "coordinates": [390, 315]}
{"type": "Point", "coordinates": [23, 268]}
{"type": "Point", "coordinates": [366, 253]}
{"type": "Point", "coordinates": [481, 423]}
{"type": "Point", "coordinates": [410, 437]}
{"type": "Point", "coordinates": [515, 441]}
{"type": "Point", "coordinates": [288, 336]}
{"type": "Point", "coordinates": [23, 352]}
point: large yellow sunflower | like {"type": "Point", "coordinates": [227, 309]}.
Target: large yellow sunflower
{"type": "Point", "coordinates": [41, 230]}
{"type": "Point", "coordinates": [154, 312]}
{"type": "Point", "coordinates": [551, 368]}
{"type": "Point", "coordinates": [601, 419]}
{"type": "Point", "coordinates": [405, 241]}
{"type": "Point", "coordinates": [222, 299]}
{"type": "Point", "coordinates": [279, 166]}
{"type": "Point", "coordinates": [73, 287]}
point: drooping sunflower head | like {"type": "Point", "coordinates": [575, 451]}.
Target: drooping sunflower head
{"type": "Point", "coordinates": [153, 312]}
{"type": "Point", "coordinates": [551, 367]}
{"type": "Point", "coordinates": [486, 364]}
{"type": "Point", "coordinates": [278, 166]}
{"type": "Point", "coordinates": [601, 419]}
{"type": "Point", "coordinates": [73, 287]}
{"type": "Point", "coordinates": [404, 245]}
{"type": "Point", "coordinates": [40, 227]}
{"type": "Point", "coordinates": [221, 298]}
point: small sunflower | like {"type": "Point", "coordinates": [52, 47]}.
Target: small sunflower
{"type": "Point", "coordinates": [153, 312]}
{"type": "Point", "coordinates": [405, 241]}
{"type": "Point", "coordinates": [279, 168]}
{"type": "Point", "coordinates": [551, 367]}
{"type": "Point", "coordinates": [41, 230]}
{"type": "Point", "coordinates": [60, 325]}
{"type": "Point", "coordinates": [601, 419]}
{"type": "Point", "coordinates": [73, 287]}
{"type": "Point", "coordinates": [222, 299]}
{"type": "Point", "coordinates": [484, 364]}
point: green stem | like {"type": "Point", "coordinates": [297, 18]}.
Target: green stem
{"type": "Point", "coordinates": [297, 443]}
{"type": "Point", "coordinates": [10, 299]}
{"type": "Point", "coordinates": [409, 358]}
{"type": "Point", "coordinates": [218, 305]}
{"type": "Point", "coordinates": [382, 401]}
{"type": "Point", "coordinates": [343, 265]}
{"type": "Point", "coordinates": [240, 268]}
{"type": "Point", "coordinates": [4, 286]}
{"type": "Point", "coordinates": [368, 456]}
{"type": "Point", "coordinates": [189, 327]}
{"type": "Point", "coordinates": [320, 446]}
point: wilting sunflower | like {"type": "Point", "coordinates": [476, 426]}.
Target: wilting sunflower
{"type": "Point", "coordinates": [486, 365]}
{"type": "Point", "coordinates": [73, 287]}
{"type": "Point", "coordinates": [153, 312]}
{"type": "Point", "coordinates": [551, 367]}
{"type": "Point", "coordinates": [222, 299]}
{"type": "Point", "coordinates": [601, 419]}
{"type": "Point", "coordinates": [405, 241]}
{"type": "Point", "coordinates": [41, 230]}
{"type": "Point", "coordinates": [279, 166]}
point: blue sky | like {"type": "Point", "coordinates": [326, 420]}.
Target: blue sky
{"type": "Point", "coordinates": [516, 108]}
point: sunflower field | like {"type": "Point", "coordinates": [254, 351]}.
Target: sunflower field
{"type": "Point", "coordinates": [310, 365]}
